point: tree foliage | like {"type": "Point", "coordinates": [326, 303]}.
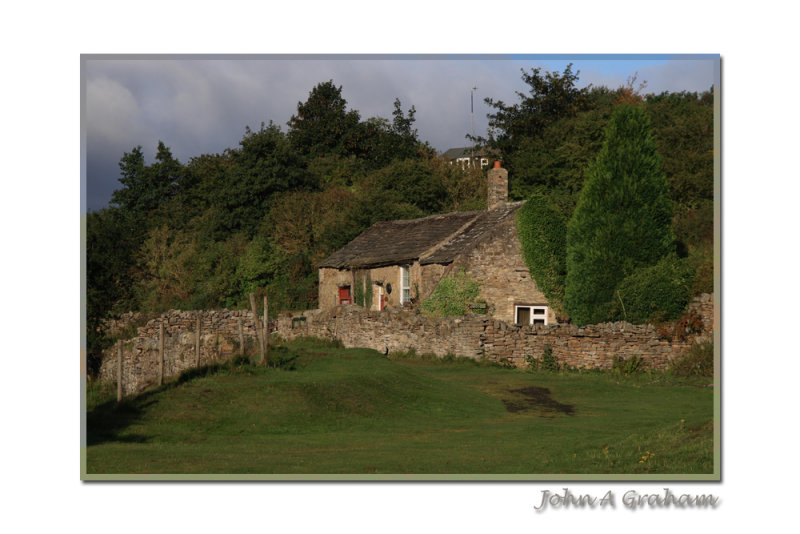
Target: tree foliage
{"type": "Point", "coordinates": [147, 187]}
{"type": "Point", "coordinates": [551, 97]}
{"type": "Point", "coordinates": [623, 218]}
{"type": "Point", "coordinates": [323, 124]}
{"type": "Point", "coordinates": [542, 231]}
{"type": "Point", "coordinates": [265, 165]}
{"type": "Point", "coordinates": [654, 293]}
{"type": "Point", "coordinates": [110, 250]}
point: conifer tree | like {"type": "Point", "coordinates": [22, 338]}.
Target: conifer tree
{"type": "Point", "coordinates": [622, 220]}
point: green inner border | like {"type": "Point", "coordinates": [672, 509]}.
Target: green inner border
{"type": "Point", "coordinates": [714, 477]}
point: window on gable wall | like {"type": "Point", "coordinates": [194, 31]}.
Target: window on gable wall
{"type": "Point", "coordinates": [530, 314]}
{"type": "Point", "coordinates": [405, 286]}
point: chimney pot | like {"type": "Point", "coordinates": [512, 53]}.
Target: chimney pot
{"type": "Point", "coordinates": [496, 164]}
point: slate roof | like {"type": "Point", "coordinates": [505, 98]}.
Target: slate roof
{"type": "Point", "coordinates": [434, 239]}
{"type": "Point", "coordinates": [465, 152]}
{"type": "Point", "coordinates": [455, 153]}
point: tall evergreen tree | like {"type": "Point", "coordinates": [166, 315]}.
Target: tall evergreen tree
{"type": "Point", "coordinates": [323, 125]}
{"type": "Point", "coordinates": [145, 188]}
{"type": "Point", "coordinates": [623, 218]}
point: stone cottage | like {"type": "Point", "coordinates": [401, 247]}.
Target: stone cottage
{"type": "Point", "coordinates": [394, 264]}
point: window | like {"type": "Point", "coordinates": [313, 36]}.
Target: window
{"type": "Point", "coordinates": [405, 286]}
{"type": "Point", "coordinates": [530, 314]}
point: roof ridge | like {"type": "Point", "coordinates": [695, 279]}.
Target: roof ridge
{"type": "Point", "coordinates": [434, 216]}
{"type": "Point", "coordinates": [451, 237]}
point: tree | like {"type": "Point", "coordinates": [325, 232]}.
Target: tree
{"type": "Point", "coordinates": [554, 163]}
{"type": "Point", "coordinates": [380, 142]}
{"type": "Point", "coordinates": [415, 182]}
{"type": "Point", "coordinates": [146, 188]}
{"type": "Point", "coordinates": [323, 124]}
{"type": "Point", "coordinates": [110, 248]}
{"type": "Point", "coordinates": [552, 96]}
{"type": "Point", "coordinates": [683, 126]}
{"type": "Point", "coordinates": [264, 165]}
{"type": "Point", "coordinates": [623, 218]}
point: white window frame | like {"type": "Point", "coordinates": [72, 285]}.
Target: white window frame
{"type": "Point", "coordinates": [403, 288]}
{"type": "Point", "coordinates": [531, 307]}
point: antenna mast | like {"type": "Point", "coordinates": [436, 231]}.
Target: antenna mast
{"type": "Point", "coordinates": [472, 118]}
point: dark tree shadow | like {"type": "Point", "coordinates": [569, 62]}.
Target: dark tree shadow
{"type": "Point", "coordinates": [107, 422]}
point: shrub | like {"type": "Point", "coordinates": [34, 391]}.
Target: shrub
{"type": "Point", "coordinates": [542, 232]}
{"type": "Point", "coordinates": [362, 292]}
{"type": "Point", "coordinates": [452, 296]}
{"type": "Point", "coordinates": [627, 366]}
{"type": "Point", "coordinates": [623, 218]}
{"type": "Point", "coordinates": [547, 362]}
{"type": "Point", "coordinates": [698, 362]}
{"type": "Point", "coordinates": [654, 294]}
{"type": "Point", "coordinates": [702, 262]}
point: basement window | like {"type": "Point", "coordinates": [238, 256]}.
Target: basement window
{"type": "Point", "coordinates": [529, 314]}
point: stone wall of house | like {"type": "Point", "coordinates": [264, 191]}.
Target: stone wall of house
{"type": "Point", "coordinates": [219, 340]}
{"type": "Point", "coordinates": [477, 336]}
{"type": "Point", "coordinates": [423, 280]}
{"type": "Point", "coordinates": [428, 279]}
{"type": "Point", "coordinates": [329, 282]}
{"type": "Point", "coordinates": [497, 263]}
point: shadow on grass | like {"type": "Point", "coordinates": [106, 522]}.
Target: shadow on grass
{"type": "Point", "coordinates": [537, 398]}
{"type": "Point", "coordinates": [108, 421]}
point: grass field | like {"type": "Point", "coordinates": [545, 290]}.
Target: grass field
{"type": "Point", "coordinates": [355, 411]}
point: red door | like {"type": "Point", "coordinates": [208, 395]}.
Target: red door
{"type": "Point", "coordinates": [344, 295]}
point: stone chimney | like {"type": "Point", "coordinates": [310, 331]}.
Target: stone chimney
{"type": "Point", "coordinates": [498, 186]}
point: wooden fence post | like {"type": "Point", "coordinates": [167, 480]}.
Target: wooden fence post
{"type": "Point", "coordinates": [119, 371]}
{"type": "Point", "coordinates": [241, 337]}
{"type": "Point", "coordinates": [161, 354]}
{"type": "Point", "coordinates": [197, 343]}
{"type": "Point", "coordinates": [258, 327]}
{"type": "Point", "coordinates": [266, 330]}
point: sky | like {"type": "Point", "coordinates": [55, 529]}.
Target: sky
{"type": "Point", "coordinates": [202, 104]}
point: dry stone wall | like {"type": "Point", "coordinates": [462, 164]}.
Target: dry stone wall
{"type": "Point", "coordinates": [397, 330]}
{"type": "Point", "coordinates": [219, 340]}
{"type": "Point", "coordinates": [476, 336]}
{"type": "Point", "coordinates": [393, 330]}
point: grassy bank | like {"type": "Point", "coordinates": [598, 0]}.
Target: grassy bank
{"type": "Point", "coordinates": [355, 411]}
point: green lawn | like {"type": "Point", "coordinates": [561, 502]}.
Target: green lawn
{"type": "Point", "coordinates": [355, 411]}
